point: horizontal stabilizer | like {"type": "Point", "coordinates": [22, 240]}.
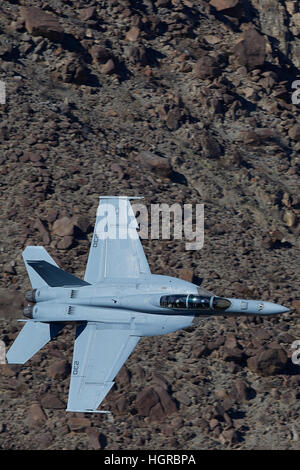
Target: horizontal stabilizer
{"type": "Point", "coordinates": [32, 337]}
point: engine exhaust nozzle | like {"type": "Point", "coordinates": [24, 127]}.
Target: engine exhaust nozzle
{"type": "Point", "coordinates": [27, 312]}
{"type": "Point", "coordinates": [30, 296]}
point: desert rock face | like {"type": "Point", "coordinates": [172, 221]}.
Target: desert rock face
{"type": "Point", "coordinates": [180, 102]}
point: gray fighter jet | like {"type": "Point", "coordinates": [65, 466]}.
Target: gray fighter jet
{"type": "Point", "coordinates": [117, 303]}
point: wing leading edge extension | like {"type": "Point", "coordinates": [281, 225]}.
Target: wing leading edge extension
{"type": "Point", "coordinates": [98, 356]}
{"type": "Point", "coordinates": [116, 250]}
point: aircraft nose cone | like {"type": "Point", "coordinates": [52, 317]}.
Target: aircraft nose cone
{"type": "Point", "coordinates": [255, 307]}
{"type": "Point", "coordinates": [282, 309]}
{"type": "Point", "coordinates": [273, 309]}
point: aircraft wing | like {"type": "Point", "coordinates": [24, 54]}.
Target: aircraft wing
{"type": "Point", "coordinates": [116, 250]}
{"type": "Point", "coordinates": [99, 353]}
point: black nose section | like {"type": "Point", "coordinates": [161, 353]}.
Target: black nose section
{"type": "Point", "coordinates": [27, 312]}
{"type": "Point", "coordinates": [30, 296]}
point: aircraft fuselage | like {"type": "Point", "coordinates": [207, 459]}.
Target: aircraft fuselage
{"type": "Point", "coordinates": [154, 305]}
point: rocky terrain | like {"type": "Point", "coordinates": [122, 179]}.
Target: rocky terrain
{"type": "Point", "coordinates": [178, 101]}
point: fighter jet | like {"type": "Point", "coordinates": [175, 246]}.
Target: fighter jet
{"type": "Point", "coordinates": [118, 302]}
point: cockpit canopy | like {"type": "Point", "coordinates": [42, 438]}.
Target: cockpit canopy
{"type": "Point", "coordinates": [194, 302]}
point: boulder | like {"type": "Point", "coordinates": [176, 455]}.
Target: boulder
{"type": "Point", "coordinates": [133, 34]}
{"type": "Point", "coordinates": [187, 274]}
{"type": "Point", "coordinates": [78, 424]}
{"type": "Point", "coordinates": [40, 226]}
{"type": "Point", "coordinates": [82, 222]}
{"type": "Point", "coordinates": [44, 440]}
{"type": "Point", "coordinates": [63, 227]}
{"type": "Point", "coordinates": [294, 132]}
{"type": "Point", "coordinates": [137, 54]}
{"type": "Point", "coordinates": [123, 377]}
{"type": "Point", "coordinates": [232, 355]}
{"type": "Point", "coordinates": [59, 369]}
{"type": "Point", "coordinates": [229, 7]}
{"type": "Point", "coordinates": [231, 341]}
{"type": "Point", "coordinates": [40, 23]}
{"type": "Point", "coordinates": [96, 438]}
{"type": "Point", "coordinates": [65, 242]}
{"type": "Point", "coordinates": [268, 362]}
{"type": "Point", "coordinates": [72, 69]}
{"type": "Point", "coordinates": [250, 137]}
{"type": "Point", "coordinates": [159, 165]}
{"type": "Point", "coordinates": [167, 402]}
{"type": "Point", "coordinates": [250, 51]}
{"type": "Point", "coordinates": [290, 219]}
{"type": "Point", "coordinates": [146, 400]}
{"type": "Point", "coordinates": [229, 436]}
{"type": "Point", "coordinates": [206, 67]}
{"type": "Point", "coordinates": [240, 391]}
{"type": "Point", "coordinates": [121, 405]}
{"type": "Point", "coordinates": [156, 413]}
{"type": "Point", "coordinates": [35, 416]}
{"type": "Point", "coordinates": [222, 5]}
{"type": "Point", "coordinates": [88, 13]}
{"type": "Point", "coordinates": [159, 380]}
{"type": "Point", "coordinates": [99, 54]}
{"type": "Point", "coordinates": [210, 145]}
{"type": "Point", "coordinates": [108, 68]}
{"type": "Point", "coordinates": [173, 119]}
{"type": "Point", "coordinates": [51, 401]}
{"type": "Point", "coordinates": [156, 403]}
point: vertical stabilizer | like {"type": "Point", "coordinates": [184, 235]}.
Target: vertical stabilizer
{"type": "Point", "coordinates": [38, 253]}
